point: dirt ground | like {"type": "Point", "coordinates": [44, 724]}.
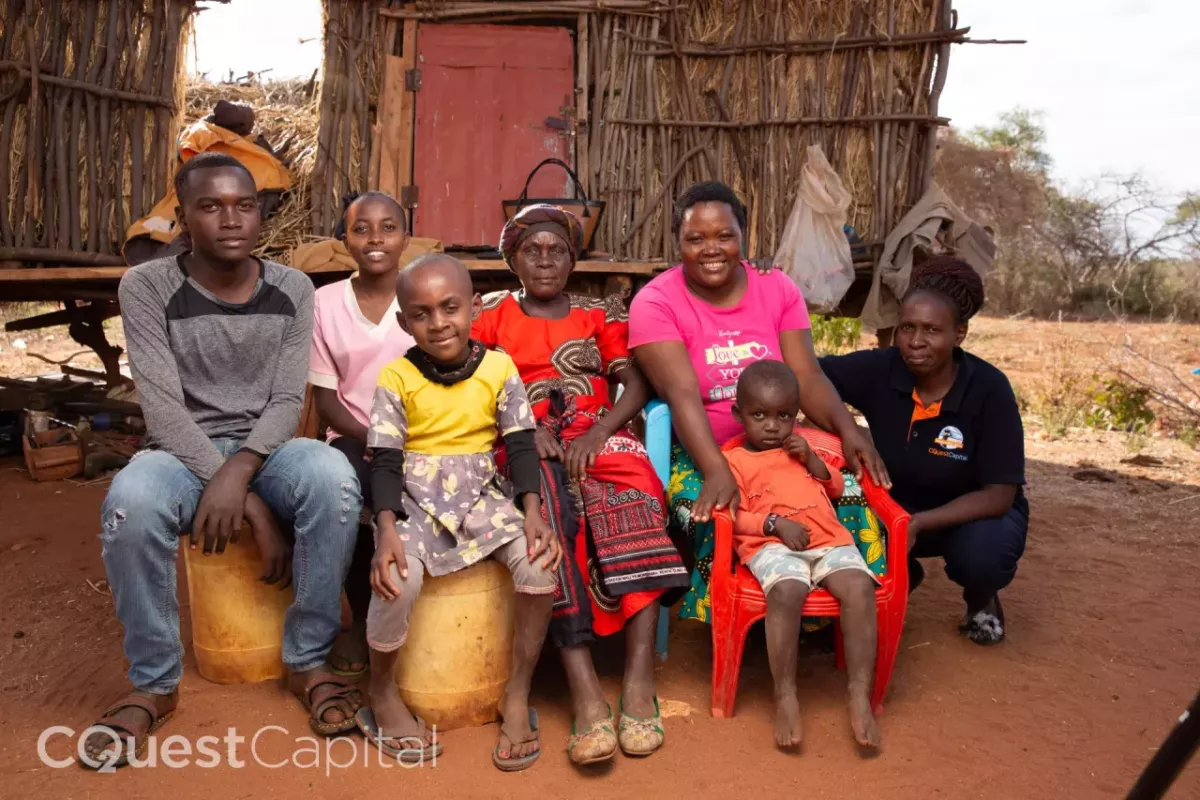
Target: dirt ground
{"type": "Point", "coordinates": [1103, 652]}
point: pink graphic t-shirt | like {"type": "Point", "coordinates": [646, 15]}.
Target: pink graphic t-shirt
{"type": "Point", "coordinates": [348, 350]}
{"type": "Point", "coordinates": [721, 342]}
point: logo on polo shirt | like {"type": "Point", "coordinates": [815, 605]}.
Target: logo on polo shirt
{"type": "Point", "coordinates": [950, 438]}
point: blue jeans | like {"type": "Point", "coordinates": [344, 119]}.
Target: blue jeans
{"type": "Point", "coordinates": [981, 556]}
{"type": "Point", "coordinates": [308, 486]}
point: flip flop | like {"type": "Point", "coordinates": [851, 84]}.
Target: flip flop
{"type": "Point", "coordinates": [343, 693]}
{"type": "Point", "coordinates": [124, 732]}
{"type": "Point", "coordinates": [365, 719]}
{"type": "Point", "coordinates": [345, 673]}
{"type": "Point", "coordinates": [518, 764]}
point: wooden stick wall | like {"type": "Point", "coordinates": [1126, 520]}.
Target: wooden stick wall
{"type": "Point", "coordinates": [89, 92]}
{"type": "Point", "coordinates": [670, 93]}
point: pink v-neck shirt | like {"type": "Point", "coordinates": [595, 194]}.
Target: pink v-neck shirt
{"type": "Point", "coordinates": [721, 342]}
{"type": "Point", "coordinates": [348, 350]}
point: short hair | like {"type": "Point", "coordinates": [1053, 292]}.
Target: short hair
{"type": "Point", "coordinates": [353, 198]}
{"type": "Point", "coordinates": [206, 161]}
{"type": "Point", "coordinates": [429, 260]}
{"type": "Point", "coordinates": [766, 375]}
{"type": "Point", "coordinates": [708, 192]}
{"type": "Point", "coordinates": [953, 280]}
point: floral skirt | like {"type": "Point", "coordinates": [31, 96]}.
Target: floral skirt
{"type": "Point", "coordinates": [684, 487]}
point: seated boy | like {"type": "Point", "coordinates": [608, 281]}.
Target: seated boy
{"type": "Point", "coordinates": [218, 345]}
{"type": "Point", "coordinates": [787, 533]}
{"type": "Point", "coordinates": [439, 503]}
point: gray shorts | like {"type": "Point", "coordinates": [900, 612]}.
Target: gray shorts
{"type": "Point", "coordinates": [775, 562]}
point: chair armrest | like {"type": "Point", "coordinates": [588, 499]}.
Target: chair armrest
{"type": "Point", "coordinates": [658, 438]}
{"type": "Point", "coordinates": [895, 520]}
{"type": "Point", "coordinates": [722, 563]}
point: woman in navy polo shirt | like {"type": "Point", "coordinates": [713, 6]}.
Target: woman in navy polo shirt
{"type": "Point", "coordinates": [948, 429]}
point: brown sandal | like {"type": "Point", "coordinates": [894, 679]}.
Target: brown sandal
{"type": "Point", "coordinates": [334, 699]}
{"type": "Point", "coordinates": [124, 732]}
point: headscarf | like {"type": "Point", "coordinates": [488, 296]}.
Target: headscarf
{"type": "Point", "coordinates": [541, 217]}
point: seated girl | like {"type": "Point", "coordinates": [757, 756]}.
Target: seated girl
{"type": "Point", "coordinates": [439, 502]}
{"type": "Point", "coordinates": [600, 492]}
{"type": "Point", "coordinates": [355, 334]}
{"type": "Point", "coordinates": [693, 330]}
{"type": "Point", "coordinates": [949, 430]}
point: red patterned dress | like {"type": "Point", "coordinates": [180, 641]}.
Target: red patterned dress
{"type": "Point", "coordinates": [618, 558]}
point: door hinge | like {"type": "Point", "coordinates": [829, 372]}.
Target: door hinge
{"type": "Point", "coordinates": [412, 80]}
{"type": "Point", "coordinates": [409, 196]}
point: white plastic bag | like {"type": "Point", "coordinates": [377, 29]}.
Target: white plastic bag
{"type": "Point", "coordinates": [814, 250]}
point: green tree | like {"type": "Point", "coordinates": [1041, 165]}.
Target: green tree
{"type": "Point", "coordinates": [1021, 133]}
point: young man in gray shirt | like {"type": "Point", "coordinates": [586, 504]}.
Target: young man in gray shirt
{"type": "Point", "coordinates": [218, 346]}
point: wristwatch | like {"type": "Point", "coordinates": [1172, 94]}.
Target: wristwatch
{"type": "Point", "coordinates": [769, 524]}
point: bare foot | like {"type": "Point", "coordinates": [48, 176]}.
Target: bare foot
{"type": "Point", "coordinates": [349, 653]}
{"type": "Point", "coordinates": [862, 721]}
{"type": "Point", "coordinates": [393, 719]}
{"type": "Point", "coordinates": [787, 722]}
{"type": "Point", "coordinates": [517, 740]}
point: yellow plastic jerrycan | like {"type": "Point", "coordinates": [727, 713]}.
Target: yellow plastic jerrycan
{"type": "Point", "coordinates": [237, 620]}
{"type": "Point", "coordinates": [457, 659]}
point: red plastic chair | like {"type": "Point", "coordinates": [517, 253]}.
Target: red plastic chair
{"type": "Point", "coordinates": [738, 601]}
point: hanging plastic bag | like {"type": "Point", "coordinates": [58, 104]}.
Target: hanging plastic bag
{"type": "Point", "coordinates": [814, 250]}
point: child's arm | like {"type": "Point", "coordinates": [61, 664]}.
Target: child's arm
{"type": "Point", "coordinates": [747, 523]}
{"type": "Point", "coordinates": [831, 479]}
{"type": "Point", "coordinates": [385, 440]}
{"type": "Point", "coordinates": [336, 415]}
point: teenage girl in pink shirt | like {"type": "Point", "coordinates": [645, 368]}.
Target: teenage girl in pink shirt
{"type": "Point", "coordinates": [355, 334]}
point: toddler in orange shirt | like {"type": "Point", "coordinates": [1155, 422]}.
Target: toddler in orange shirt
{"type": "Point", "coordinates": [788, 535]}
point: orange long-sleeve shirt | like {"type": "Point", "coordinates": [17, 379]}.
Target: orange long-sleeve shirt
{"type": "Point", "coordinates": [772, 482]}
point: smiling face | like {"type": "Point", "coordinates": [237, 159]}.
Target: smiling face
{"type": "Point", "coordinates": [437, 307]}
{"type": "Point", "coordinates": [928, 333]}
{"type": "Point", "coordinates": [375, 234]}
{"type": "Point", "coordinates": [219, 209]}
{"type": "Point", "coordinates": [543, 264]}
{"type": "Point", "coordinates": [767, 410]}
{"type": "Point", "coordinates": [710, 245]}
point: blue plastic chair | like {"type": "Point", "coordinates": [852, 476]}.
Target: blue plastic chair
{"type": "Point", "coordinates": [658, 446]}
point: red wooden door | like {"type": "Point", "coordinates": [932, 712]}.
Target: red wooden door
{"type": "Point", "coordinates": [486, 93]}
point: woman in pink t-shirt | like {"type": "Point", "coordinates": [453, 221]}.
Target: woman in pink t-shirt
{"type": "Point", "coordinates": [355, 334]}
{"type": "Point", "coordinates": [693, 330]}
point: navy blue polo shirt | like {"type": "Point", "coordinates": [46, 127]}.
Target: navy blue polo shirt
{"type": "Point", "coordinates": [976, 440]}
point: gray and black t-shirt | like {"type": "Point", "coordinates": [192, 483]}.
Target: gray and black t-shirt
{"type": "Point", "coordinates": [206, 369]}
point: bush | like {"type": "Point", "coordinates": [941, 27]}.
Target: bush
{"type": "Point", "coordinates": [834, 335]}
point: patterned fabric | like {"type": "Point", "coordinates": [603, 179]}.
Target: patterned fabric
{"type": "Point", "coordinates": [683, 488]}
{"type": "Point", "coordinates": [575, 355]}
{"type": "Point", "coordinates": [539, 217]}
{"type": "Point", "coordinates": [457, 510]}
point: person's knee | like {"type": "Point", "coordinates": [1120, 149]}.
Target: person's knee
{"type": "Point", "coordinates": [788, 593]}
{"type": "Point", "coordinates": [323, 473]}
{"type": "Point", "coordinates": [984, 554]}
{"type": "Point", "coordinates": [387, 620]}
{"type": "Point", "coordinates": [531, 577]}
{"type": "Point", "coordinates": [853, 588]}
{"type": "Point", "coordinates": [145, 500]}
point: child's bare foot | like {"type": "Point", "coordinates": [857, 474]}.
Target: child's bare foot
{"type": "Point", "coordinates": [396, 724]}
{"type": "Point", "coordinates": [862, 721]}
{"type": "Point", "coordinates": [787, 722]}
{"type": "Point", "coordinates": [348, 657]}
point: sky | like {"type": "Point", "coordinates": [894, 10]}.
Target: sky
{"type": "Point", "coordinates": [1118, 81]}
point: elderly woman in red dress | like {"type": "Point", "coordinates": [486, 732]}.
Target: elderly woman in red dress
{"type": "Point", "coordinates": [599, 490]}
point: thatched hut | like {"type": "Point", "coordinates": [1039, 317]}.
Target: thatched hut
{"type": "Point", "coordinates": [659, 94]}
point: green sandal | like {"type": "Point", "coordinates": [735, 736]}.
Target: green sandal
{"type": "Point", "coordinates": [597, 743]}
{"type": "Point", "coordinates": [641, 736]}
